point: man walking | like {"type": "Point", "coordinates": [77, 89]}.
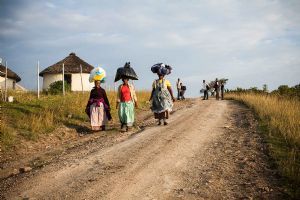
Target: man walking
{"type": "Point", "coordinates": [178, 85]}
{"type": "Point", "coordinates": [182, 91]}
{"type": "Point", "coordinates": [217, 89]}
{"type": "Point", "coordinates": [222, 90]}
{"type": "Point", "coordinates": [205, 88]}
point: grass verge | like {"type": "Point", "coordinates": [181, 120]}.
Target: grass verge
{"type": "Point", "coordinates": [27, 117]}
{"type": "Point", "coordinates": [280, 121]}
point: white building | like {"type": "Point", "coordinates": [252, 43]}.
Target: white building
{"type": "Point", "coordinates": [72, 65]}
{"type": "Point", "coordinates": [12, 79]}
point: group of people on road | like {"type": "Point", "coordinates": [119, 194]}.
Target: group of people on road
{"type": "Point", "coordinates": [98, 107]}
{"type": "Point", "coordinates": [217, 87]}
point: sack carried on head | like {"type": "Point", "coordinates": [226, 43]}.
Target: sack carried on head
{"type": "Point", "coordinates": [161, 69]}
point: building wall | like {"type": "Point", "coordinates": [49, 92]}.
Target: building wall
{"type": "Point", "coordinates": [76, 82]}
{"type": "Point", "coordinates": [50, 78]}
{"type": "Point", "coordinates": [9, 82]}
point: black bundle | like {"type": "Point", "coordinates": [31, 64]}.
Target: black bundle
{"type": "Point", "coordinates": [161, 69]}
{"type": "Point", "coordinates": [126, 72]}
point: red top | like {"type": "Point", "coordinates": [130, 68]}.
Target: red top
{"type": "Point", "coordinates": [125, 93]}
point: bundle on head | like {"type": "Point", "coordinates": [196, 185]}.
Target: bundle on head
{"type": "Point", "coordinates": [156, 67]}
{"type": "Point", "coordinates": [161, 69]}
{"type": "Point", "coordinates": [97, 74]}
{"type": "Point", "coordinates": [126, 72]}
{"type": "Point", "coordinates": [169, 69]}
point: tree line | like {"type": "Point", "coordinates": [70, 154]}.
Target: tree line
{"type": "Point", "coordinates": [282, 90]}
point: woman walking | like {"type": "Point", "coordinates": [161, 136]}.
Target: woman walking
{"type": "Point", "coordinates": [162, 94]}
{"type": "Point", "coordinates": [126, 101]}
{"type": "Point", "coordinates": [98, 107]}
{"type": "Point", "coordinates": [126, 97]}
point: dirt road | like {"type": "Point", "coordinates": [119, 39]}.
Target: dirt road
{"type": "Point", "coordinates": [209, 150]}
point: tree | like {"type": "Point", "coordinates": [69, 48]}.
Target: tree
{"type": "Point", "coordinates": [297, 90]}
{"type": "Point", "coordinates": [265, 88]}
{"type": "Point", "coordinates": [254, 89]}
{"type": "Point", "coordinates": [283, 90]}
{"type": "Point", "coordinates": [238, 89]}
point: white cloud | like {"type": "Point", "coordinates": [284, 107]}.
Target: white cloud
{"type": "Point", "coordinates": [213, 38]}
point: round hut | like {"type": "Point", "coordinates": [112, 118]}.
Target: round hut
{"type": "Point", "coordinates": [72, 74]}
{"type": "Point", "coordinates": [12, 78]}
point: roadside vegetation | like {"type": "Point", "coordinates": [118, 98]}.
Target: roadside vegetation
{"type": "Point", "coordinates": [279, 114]}
{"type": "Point", "coordinates": [27, 118]}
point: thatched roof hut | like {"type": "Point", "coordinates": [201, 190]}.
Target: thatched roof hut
{"type": "Point", "coordinates": [12, 79]}
{"type": "Point", "coordinates": [10, 74]}
{"type": "Point", "coordinates": [72, 76]}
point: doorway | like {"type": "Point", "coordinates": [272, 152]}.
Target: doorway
{"type": "Point", "coordinates": [68, 78]}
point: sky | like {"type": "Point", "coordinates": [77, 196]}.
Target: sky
{"type": "Point", "coordinates": [249, 42]}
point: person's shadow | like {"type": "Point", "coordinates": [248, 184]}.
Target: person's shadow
{"type": "Point", "coordinates": [80, 129]}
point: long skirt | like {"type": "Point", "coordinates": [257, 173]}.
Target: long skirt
{"type": "Point", "coordinates": [161, 104]}
{"type": "Point", "coordinates": [126, 113]}
{"type": "Point", "coordinates": [98, 116]}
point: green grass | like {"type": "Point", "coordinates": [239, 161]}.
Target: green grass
{"type": "Point", "coordinates": [28, 117]}
{"type": "Point", "coordinates": [7, 136]}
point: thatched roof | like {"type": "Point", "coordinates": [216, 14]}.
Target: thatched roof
{"type": "Point", "coordinates": [10, 73]}
{"type": "Point", "coordinates": [72, 65]}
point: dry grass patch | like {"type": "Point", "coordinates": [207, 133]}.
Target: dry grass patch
{"type": "Point", "coordinates": [280, 120]}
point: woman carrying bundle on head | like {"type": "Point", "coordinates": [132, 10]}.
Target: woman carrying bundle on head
{"type": "Point", "coordinates": [162, 94]}
{"type": "Point", "coordinates": [126, 96]}
{"type": "Point", "coordinates": [98, 108]}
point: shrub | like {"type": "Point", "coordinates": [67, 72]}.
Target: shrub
{"type": "Point", "coordinates": [286, 91]}
{"type": "Point", "coordinates": [57, 87]}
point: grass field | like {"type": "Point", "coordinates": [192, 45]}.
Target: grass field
{"type": "Point", "coordinates": [280, 120]}
{"type": "Point", "coordinates": [28, 117]}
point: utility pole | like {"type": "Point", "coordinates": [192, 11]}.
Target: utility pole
{"type": "Point", "coordinates": [38, 79]}
{"type": "Point", "coordinates": [2, 92]}
{"type": "Point", "coordinates": [81, 78]}
{"type": "Point", "coordinates": [63, 78]}
{"type": "Point", "coordinates": [5, 84]}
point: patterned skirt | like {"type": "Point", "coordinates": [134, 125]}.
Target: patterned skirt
{"type": "Point", "coordinates": [161, 103]}
{"type": "Point", "coordinates": [126, 113]}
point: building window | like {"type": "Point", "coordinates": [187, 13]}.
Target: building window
{"type": "Point", "coordinates": [14, 85]}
